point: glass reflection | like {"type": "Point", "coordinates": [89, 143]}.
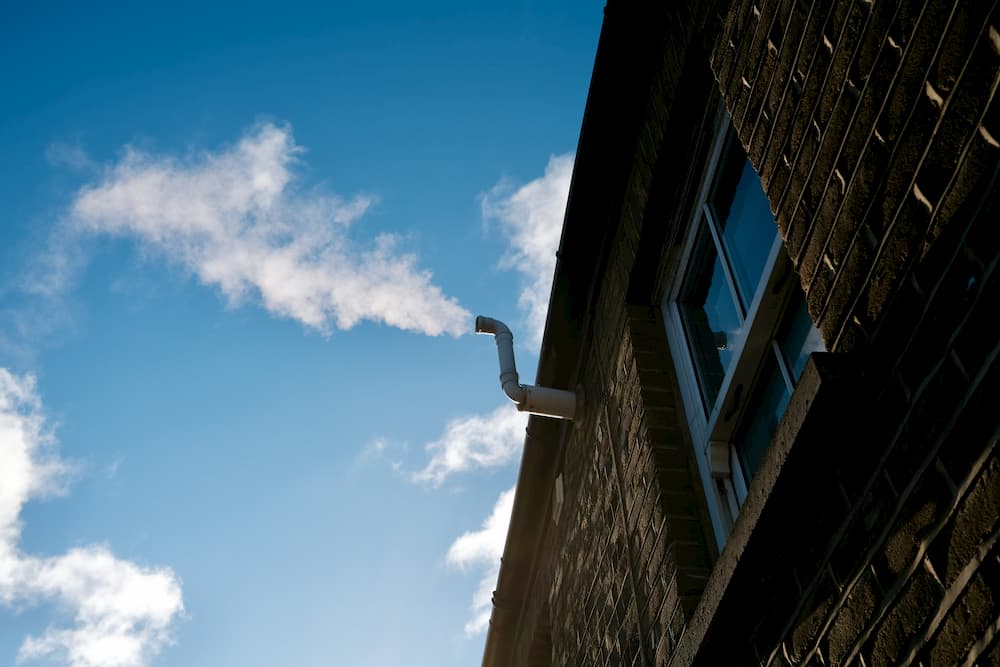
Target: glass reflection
{"type": "Point", "coordinates": [799, 339]}
{"type": "Point", "coordinates": [746, 224]}
{"type": "Point", "coordinates": [710, 317]}
{"type": "Point", "coordinates": [765, 411]}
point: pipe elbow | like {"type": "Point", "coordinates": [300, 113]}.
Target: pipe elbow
{"type": "Point", "coordinates": [534, 400]}
{"type": "Point", "coordinates": [515, 391]}
{"type": "Point", "coordinates": [488, 325]}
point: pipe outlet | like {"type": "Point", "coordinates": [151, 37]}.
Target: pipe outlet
{"type": "Point", "coordinates": [533, 400]}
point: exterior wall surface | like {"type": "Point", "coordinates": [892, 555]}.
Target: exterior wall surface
{"type": "Point", "coordinates": [870, 534]}
{"type": "Point", "coordinates": [873, 126]}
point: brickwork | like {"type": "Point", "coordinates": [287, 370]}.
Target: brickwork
{"type": "Point", "coordinates": [909, 575]}
{"type": "Point", "coordinates": [874, 126]}
{"type": "Point", "coordinates": [871, 144]}
{"type": "Point", "coordinates": [879, 157]}
{"type": "Point", "coordinates": [632, 556]}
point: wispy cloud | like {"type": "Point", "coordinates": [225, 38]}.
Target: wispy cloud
{"type": "Point", "coordinates": [33, 308]}
{"type": "Point", "coordinates": [481, 550]}
{"type": "Point", "coordinates": [474, 441]}
{"type": "Point", "coordinates": [235, 219]}
{"type": "Point", "coordinates": [122, 613]}
{"type": "Point", "coordinates": [72, 155]}
{"type": "Point", "coordinates": [531, 218]}
{"type": "Point", "coordinates": [382, 451]}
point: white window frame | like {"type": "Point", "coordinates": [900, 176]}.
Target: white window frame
{"type": "Point", "coordinates": [714, 434]}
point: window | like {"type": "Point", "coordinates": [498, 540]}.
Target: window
{"type": "Point", "coordinates": [738, 328]}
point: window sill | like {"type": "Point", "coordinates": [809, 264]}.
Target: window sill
{"type": "Point", "coordinates": [780, 499]}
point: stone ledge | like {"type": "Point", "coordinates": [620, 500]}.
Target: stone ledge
{"type": "Point", "coordinates": [776, 506]}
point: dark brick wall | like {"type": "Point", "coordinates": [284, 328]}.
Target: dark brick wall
{"type": "Point", "coordinates": [619, 568]}
{"type": "Point", "coordinates": [870, 123]}
{"type": "Point", "coordinates": [874, 127]}
{"type": "Point", "coordinates": [632, 557]}
{"type": "Point", "coordinates": [629, 557]}
{"type": "Point", "coordinates": [909, 574]}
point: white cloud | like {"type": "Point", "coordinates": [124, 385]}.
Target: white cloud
{"type": "Point", "coordinates": [482, 550]}
{"type": "Point", "coordinates": [122, 613]}
{"type": "Point", "coordinates": [474, 441]}
{"type": "Point", "coordinates": [531, 217]}
{"type": "Point", "coordinates": [234, 219]}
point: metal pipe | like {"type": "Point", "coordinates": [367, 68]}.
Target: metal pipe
{"type": "Point", "coordinates": [533, 400]}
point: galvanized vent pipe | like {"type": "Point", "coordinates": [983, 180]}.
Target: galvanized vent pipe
{"type": "Point", "coordinates": [533, 400]}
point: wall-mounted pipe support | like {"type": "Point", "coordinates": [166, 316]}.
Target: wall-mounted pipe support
{"type": "Point", "coordinates": [534, 400]}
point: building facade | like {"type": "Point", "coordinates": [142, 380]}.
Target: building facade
{"type": "Point", "coordinates": [775, 294]}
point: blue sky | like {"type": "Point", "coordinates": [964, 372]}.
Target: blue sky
{"type": "Point", "coordinates": [243, 420]}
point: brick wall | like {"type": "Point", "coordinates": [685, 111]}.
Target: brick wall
{"type": "Point", "coordinates": [628, 557]}
{"type": "Point", "coordinates": [632, 556]}
{"type": "Point", "coordinates": [874, 126]}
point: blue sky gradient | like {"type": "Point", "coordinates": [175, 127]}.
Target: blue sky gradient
{"type": "Point", "coordinates": [271, 466]}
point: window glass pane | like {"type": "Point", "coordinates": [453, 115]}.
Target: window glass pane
{"type": "Point", "coordinates": [764, 412]}
{"type": "Point", "coordinates": [711, 321]}
{"type": "Point", "coordinates": [746, 224]}
{"type": "Point", "coordinates": [799, 338]}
